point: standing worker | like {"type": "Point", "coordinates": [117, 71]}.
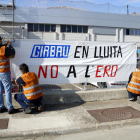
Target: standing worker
{"type": "Point", "coordinates": [133, 87]}
{"type": "Point", "coordinates": [32, 91]}
{"type": "Point", "coordinates": [6, 52]}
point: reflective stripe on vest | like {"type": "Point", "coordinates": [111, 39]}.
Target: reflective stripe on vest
{"type": "Point", "coordinates": [31, 87]}
{"type": "Point", "coordinates": [1, 67]}
{"type": "Point", "coordinates": [5, 60]}
{"type": "Point", "coordinates": [134, 88]}
{"type": "Point", "coordinates": [134, 83]}
{"type": "Point", "coordinates": [34, 93]}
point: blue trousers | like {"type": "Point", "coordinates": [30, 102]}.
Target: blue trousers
{"type": "Point", "coordinates": [5, 81]}
{"type": "Point", "coordinates": [21, 99]}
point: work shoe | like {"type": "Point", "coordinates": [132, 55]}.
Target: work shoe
{"type": "Point", "coordinates": [40, 107]}
{"type": "Point", "coordinates": [12, 111]}
{"type": "Point", "coordinates": [133, 98]}
{"type": "Point", "coordinates": [28, 110]}
{"type": "Point", "coordinates": [3, 109]}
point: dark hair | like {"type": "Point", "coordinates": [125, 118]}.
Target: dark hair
{"type": "Point", "coordinates": [24, 68]}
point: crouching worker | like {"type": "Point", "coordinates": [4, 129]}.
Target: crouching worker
{"type": "Point", "coordinates": [133, 87]}
{"type": "Point", "coordinates": [32, 91]}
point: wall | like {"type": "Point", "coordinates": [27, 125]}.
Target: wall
{"type": "Point", "coordinates": [5, 14]}
{"type": "Point", "coordinates": [76, 36]}
{"type": "Point", "coordinates": [104, 30]}
{"type": "Point", "coordinates": [94, 34]}
{"type": "Point", "coordinates": [108, 38]}
{"type": "Point", "coordinates": [131, 38]}
{"type": "Point", "coordinates": [75, 17]}
{"type": "Point", "coordinates": [41, 35]}
{"type": "Point", "coordinates": [6, 30]}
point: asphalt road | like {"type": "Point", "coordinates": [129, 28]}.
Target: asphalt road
{"type": "Point", "coordinates": [125, 133]}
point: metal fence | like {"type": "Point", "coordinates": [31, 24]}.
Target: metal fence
{"type": "Point", "coordinates": [78, 5]}
{"type": "Point", "coordinates": [59, 87]}
{"type": "Point", "coordinates": [72, 86]}
{"type": "Point", "coordinates": [75, 5]}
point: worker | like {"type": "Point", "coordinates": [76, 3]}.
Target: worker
{"type": "Point", "coordinates": [32, 91]}
{"type": "Point", "coordinates": [6, 52]}
{"type": "Point", "coordinates": [133, 87]}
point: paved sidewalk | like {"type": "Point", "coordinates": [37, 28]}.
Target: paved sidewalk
{"type": "Point", "coordinates": [63, 119]}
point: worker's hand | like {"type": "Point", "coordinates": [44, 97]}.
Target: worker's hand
{"type": "Point", "coordinates": [12, 56]}
{"type": "Point", "coordinates": [13, 81]}
{"type": "Point", "coordinates": [8, 43]}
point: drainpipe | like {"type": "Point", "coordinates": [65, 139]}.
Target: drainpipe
{"type": "Point", "coordinates": [13, 19]}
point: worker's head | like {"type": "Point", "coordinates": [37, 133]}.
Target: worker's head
{"type": "Point", "coordinates": [23, 68]}
{"type": "Point", "coordinates": [0, 40]}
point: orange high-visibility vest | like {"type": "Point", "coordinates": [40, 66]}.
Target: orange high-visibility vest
{"type": "Point", "coordinates": [4, 61]}
{"type": "Point", "coordinates": [134, 85]}
{"type": "Point", "coordinates": [32, 89]}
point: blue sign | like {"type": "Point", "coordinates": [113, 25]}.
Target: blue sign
{"type": "Point", "coordinates": [50, 51]}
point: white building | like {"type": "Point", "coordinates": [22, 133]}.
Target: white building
{"type": "Point", "coordinates": [66, 23]}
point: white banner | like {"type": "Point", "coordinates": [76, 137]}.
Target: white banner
{"type": "Point", "coordinates": [57, 62]}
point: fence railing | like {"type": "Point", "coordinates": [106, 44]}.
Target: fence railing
{"type": "Point", "coordinates": [78, 5]}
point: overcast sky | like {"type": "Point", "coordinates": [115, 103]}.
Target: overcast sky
{"type": "Point", "coordinates": [114, 2]}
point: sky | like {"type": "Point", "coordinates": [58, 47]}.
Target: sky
{"type": "Point", "coordinates": [135, 3]}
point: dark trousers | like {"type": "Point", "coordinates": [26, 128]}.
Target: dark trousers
{"type": "Point", "coordinates": [21, 99]}
{"type": "Point", "coordinates": [130, 94]}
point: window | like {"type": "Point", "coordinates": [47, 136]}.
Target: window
{"type": "Point", "coordinates": [35, 27]}
{"type": "Point", "coordinates": [80, 29]}
{"type": "Point", "coordinates": [124, 31]}
{"type": "Point", "coordinates": [135, 32]}
{"type": "Point", "coordinates": [138, 32]}
{"type": "Point", "coordinates": [68, 28]}
{"type": "Point", "coordinates": [47, 28]}
{"type": "Point", "coordinates": [30, 27]}
{"type": "Point", "coordinates": [132, 32]}
{"type": "Point", "coordinates": [127, 31]}
{"type": "Point", "coordinates": [74, 29]}
{"type": "Point", "coordinates": [41, 28]}
{"type": "Point", "coordinates": [85, 29]}
{"type": "Point", "coordinates": [53, 27]}
{"type": "Point", "coordinates": [63, 28]}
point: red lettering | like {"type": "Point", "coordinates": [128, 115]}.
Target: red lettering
{"type": "Point", "coordinates": [44, 73]}
{"type": "Point", "coordinates": [52, 71]}
{"type": "Point", "coordinates": [115, 70]}
{"type": "Point", "coordinates": [106, 69]}
{"type": "Point", "coordinates": [98, 70]}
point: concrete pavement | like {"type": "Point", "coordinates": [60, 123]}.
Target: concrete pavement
{"type": "Point", "coordinates": [64, 119]}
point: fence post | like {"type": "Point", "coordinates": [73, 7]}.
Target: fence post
{"type": "Point", "coordinates": [13, 6]}
{"type": "Point", "coordinates": [38, 3]}
{"type": "Point", "coordinates": [127, 9]}
{"type": "Point", "coordinates": [108, 7]}
{"type": "Point", "coordinates": [85, 86]}
{"type": "Point", "coordinates": [84, 4]}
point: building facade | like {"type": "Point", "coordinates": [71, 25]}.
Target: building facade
{"type": "Point", "coordinates": [68, 24]}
